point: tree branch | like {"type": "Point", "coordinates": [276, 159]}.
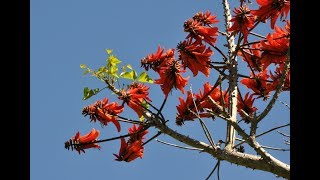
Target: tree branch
{"type": "Point", "coordinates": [251, 161]}
{"type": "Point", "coordinates": [277, 93]}
{"type": "Point", "coordinates": [233, 78]}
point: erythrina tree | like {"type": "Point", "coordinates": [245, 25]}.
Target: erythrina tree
{"type": "Point", "coordinates": [267, 61]}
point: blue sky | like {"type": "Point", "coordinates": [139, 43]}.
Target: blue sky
{"type": "Point", "coordinates": [65, 34]}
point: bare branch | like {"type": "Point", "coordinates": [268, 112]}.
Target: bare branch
{"type": "Point", "coordinates": [251, 161]}
{"type": "Point", "coordinates": [266, 132]}
{"type": "Point", "coordinates": [233, 78]}
{"type": "Point", "coordinates": [182, 147]}
{"type": "Point", "coordinates": [283, 134]}
{"type": "Point", "coordinates": [277, 93]}
{"type": "Point", "coordinates": [214, 168]}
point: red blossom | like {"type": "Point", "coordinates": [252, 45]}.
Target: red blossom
{"type": "Point", "coordinates": [187, 110]}
{"type": "Point", "coordinates": [104, 112]}
{"type": "Point", "coordinates": [129, 151]}
{"type": "Point", "coordinates": [252, 57]}
{"type": "Point", "coordinates": [220, 97]}
{"type": "Point", "coordinates": [205, 18]}
{"type": "Point", "coordinates": [135, 96]}
{"type": "Point", "coordinates": [246, 105]}
{"type": "Point", "coordinates": [271, 9]}
{"type": "Point", "coordinates": [137, 133]}
{"type": "Point", "coordinates": [259, 84]}
{"type": "Point", "coordinates": [243, 21]}
{"type": "Point", "coordinates": [199, 32]}
{"type": "Point", "coordinates": [275, 50]}
{"type": "Point", "coordinates": [158, 59]}
{"type": "Point", "coordinates": [195, 56]}
{"type": "Point", "coordinates": [86, 141]}
{"type": "Point", "coordinates": [170, 77]}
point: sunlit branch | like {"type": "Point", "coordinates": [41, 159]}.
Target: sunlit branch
{"type": "Point", "coordinates": [258, 35]}
{"type": "Point", "coordinates": [182, 147]}
{"type": "Point", "coordinates": [266, 132]}
{"type": "Point", "coordinates": [126, 120]}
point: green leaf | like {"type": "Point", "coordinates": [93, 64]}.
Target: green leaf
{"type": "Point", "coordinates": [86, 71]}
{"type": "Point", "coordinates": [129, 67]}
{"type": "Point", "coordinates": [144, 77]}
{"type": "Point", "coordinates": [82, 66]}
{"type": "Point", "coordinates": [109, 51]}
{"type": "Point", "coordinates": [141, 118]}
{"type": "Point", "coordinates": [113, 60]}
{"type": "Point", "coordinates": [129, 75]}
{"type": "Point", "coordinates": [87, 93]}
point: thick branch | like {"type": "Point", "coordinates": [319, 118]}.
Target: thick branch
{"type": "Point", "coordinates": [233, 78]}
{"type": "Point", "coordinates": [251, 161]}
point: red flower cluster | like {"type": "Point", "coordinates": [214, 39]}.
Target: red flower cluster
{"type": "Point", "coordinates": [246, 105]}
{"type": "Point", "coordinates": [252, 57]}
{"type": "Point", "coordinates": [133, 148]}
{"type": "Point", "coordinates": [167, 68]}
{"type": "Point", "coordinates": [271, 9]}
{"type": "Point", "coordinates": [275, 50]}
{"type": "Point", "coordinates": [187, 110]}
{"type": "Point", "coordinates": [205, 18]}
{"type": "Point", "coordinates": [195, 56]}
{"type": "Point", "coordinates": [259, 84]}
{"type": "Point", "coordinates": [80, 143]}
{"type": "Point", "coordinates": [170, 78]}
{"type": "Point", "coordinates": [104, 112]}
{"type": "Point", "coordinates": [243, 21]}
{"type": "Point", "coordinates": [199, 32]}
{"type": "Point", "coordinates": [135, 96]}
{"type": "Point", "coordinates": [157, 60]}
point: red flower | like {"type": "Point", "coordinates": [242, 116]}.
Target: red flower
{"type": "Point", "coordinates": [129, 151]}
{"type": "Point", "coordinates": [158, 59]}
{"type": "Point", "coordinates": [205, 18]}
{"type": "Point", "coordinates": [246, 106]}
{"type": "Point", "coordinates": [220, 98]}
{"type": "Point", "coordinates": [253, 57]}
{"type": "Point", "coordinates": [276, 78]}
{"type": "Point", "coordinates": [195, 56]}
{"type": "Point", "coordinates": [272, 9]}
{"type": "Point", "coordinates": [185, 108]}
{"type": "Point", "coordinates": [137, 133]}
{"type": "Point", "coordinates": [243, 21]}
{"type": "Point", "coordinates": [104, 112]}
{"type": "Point", "coordinates": [199, 32]}
{"type": "Point", "coordinates": [259, 84]}
{"type": "Point", "coordinates": [170, 77]}
{"type": "Point", "coordinates": [276, 48]}
{"type": "Point", "coordinates": [135, 96]}
{"type": "Point", "coordinates": [79, 141]}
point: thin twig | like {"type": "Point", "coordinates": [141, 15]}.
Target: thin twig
{"type": "Point", "coordinates": [153, 137]}
{"type": "Point", "coordinates": [203, 125]}
{"type": "Point", "coordinates": [270, 130]}
{"type": "Point", "coordinates": [277, 93]}
{"type": "Point", "coordinates": [126, 120]}
{"type": "Point", "coordinates": [182, 147]}
{"type": "Point", "coordinates": [258, 35]}
{"type": "Point", "coordinates": [218, 172]}
{"type": "Point", "coordinates": [283, 134]}
{"type": "Point", "coordinates": [214, 168]}
{"type": "Point", "coordinates": [276, 149]}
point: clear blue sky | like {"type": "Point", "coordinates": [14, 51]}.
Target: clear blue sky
{"type": "Point", "coordinates": [67, 33]}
